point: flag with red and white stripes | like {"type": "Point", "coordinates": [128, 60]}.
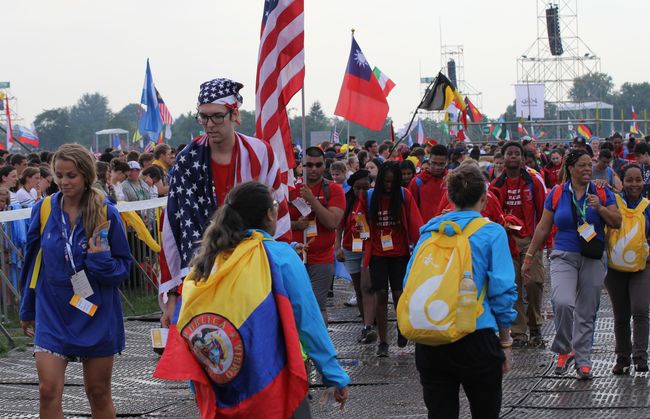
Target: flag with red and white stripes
{"type": "Point", "coordinates": [165, 116]}
{"type": "Point", "coordinates": [280, 75]}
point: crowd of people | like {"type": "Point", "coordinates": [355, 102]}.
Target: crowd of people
{"type": "Point", "coordinates": [368, 207]}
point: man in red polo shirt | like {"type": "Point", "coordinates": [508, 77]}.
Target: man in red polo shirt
{"type": "Point", "coordinates": [428, 187]}
{"type": "Point", "coordinates": [316, 210]}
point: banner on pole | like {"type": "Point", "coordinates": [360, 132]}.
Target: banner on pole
{"type": "Point", "coordinates": [529, 98]}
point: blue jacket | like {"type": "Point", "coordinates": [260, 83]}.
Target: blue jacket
{"type": "Point", "coordinates": [491, 262]}
{"type": "Point", "coordinates": [309, 321]}
{"type": "Point", "coordinates": [60, 327]}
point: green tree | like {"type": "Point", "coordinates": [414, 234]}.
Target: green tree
{"type": "Point", "coordinates": [592, 87]}
{"type": "Point", "coordinates": [127, 118]}
{"type": "Point", "coordinates": [89, 115]}
{"type": "Point", "coordinates": [184, 129]}
{"type": "Point", "coordinates": [247, 126]}
{"type": "Point", "coordinates": [53, 128]}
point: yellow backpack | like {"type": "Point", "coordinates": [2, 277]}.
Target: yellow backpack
{"type": "Point", "coordinates": [426, 312]}
{"type": "Point", "coordinates": [627, 247]}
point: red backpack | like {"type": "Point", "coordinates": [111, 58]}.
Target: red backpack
{"type": "Point", "coordinates": [559, 189]}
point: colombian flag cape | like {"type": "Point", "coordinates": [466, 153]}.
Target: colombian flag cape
{"type": "Point", "coordinates": [235, 337]}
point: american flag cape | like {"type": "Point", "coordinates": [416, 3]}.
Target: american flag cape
{"type": "Point", "coordinates": [192, 200]}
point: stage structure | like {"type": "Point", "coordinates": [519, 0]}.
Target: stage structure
{"type": "Point", "coordinates": [452, 61]}
{"type": "Point", "coordinates": [558, 55]}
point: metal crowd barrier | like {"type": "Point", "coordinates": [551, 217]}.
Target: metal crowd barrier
{"type": "Point", "coordinates": [145, 270]}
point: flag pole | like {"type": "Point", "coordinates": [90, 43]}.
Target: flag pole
{"type": "Point", "coordinates": [347, 152]}
{"type": "Point", "coordinates": [304, 169]}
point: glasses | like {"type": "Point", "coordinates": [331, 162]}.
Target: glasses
{"type": "Point", "coordinates": [216, 118]}
{"type": "Point", "coordinates": [316, 165]}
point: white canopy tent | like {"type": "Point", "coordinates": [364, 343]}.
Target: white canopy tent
{"type": "Point", "coordinates": [111, 133]}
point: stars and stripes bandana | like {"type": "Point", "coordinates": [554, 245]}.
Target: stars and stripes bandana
{"type": "Point", "coordinates": [221, 92]}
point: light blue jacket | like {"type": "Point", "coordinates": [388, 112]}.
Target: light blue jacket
{"type": "Point", "coordinates": [491, 262]}
{"type": "Point", "coordinates": [309, 321]}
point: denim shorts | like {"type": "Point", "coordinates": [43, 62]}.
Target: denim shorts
{"type": "Point", "coordinates": [67, 358]}
{"type": "Point", "coordinates": [353, 261]}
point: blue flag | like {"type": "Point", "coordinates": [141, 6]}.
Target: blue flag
{"type": "Point", "coordinates": [116, 142]}
{"type": "Point", "coordinates": [150, 122]}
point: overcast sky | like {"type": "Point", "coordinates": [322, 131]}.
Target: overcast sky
{"type": "Point", "coordinates": [54, 51]}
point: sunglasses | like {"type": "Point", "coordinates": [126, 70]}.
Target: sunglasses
{"type": "Point", "coordinates": [316, 165]}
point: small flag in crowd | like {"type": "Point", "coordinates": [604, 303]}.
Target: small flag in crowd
{"type": "Point", "coordinates": [28, 136]}
{"type": "Point", "coordinates": [420, 138]}
{"type": "Point", "coordinates": [117, 145]}
{"type": "Point", "coordinates": [500, 131]}
{"type": "Point", "coordinates": [10, 137]}
{"type": "Point", "coordinates": [149, 147]}
{"type": "Point", "coordinates": [361, 99]}
{"type": "Point", "coordinates": [474, 113]}
{"type": "Point", "coordinates": [584, 131]}
{"type": "Point", "coordinates": [150, 123]}
{"type": "Point", "coordinates": [165, 115]}
{"type": "Point", "coordinates": [634, 128]}
{"type": "Point", "coordinates": [385, 83]}
{"type": "Point", "coordinates": [442, 94]}
{"type": "Point", "coordinates": [335, 136]}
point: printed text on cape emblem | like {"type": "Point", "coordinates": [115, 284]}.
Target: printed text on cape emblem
{"type": "Point", "coordinates": [217, 345]}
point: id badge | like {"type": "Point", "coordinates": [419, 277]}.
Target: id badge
{"type": "Point", "coordinates": [587, 231]}
{"type": "Point", "coordinates": [84, 305]}
{"type": "Point", "coordinates": [81, 285]}
{"type": "Point", "coordinates": [386, 242]}
{"type": "Point", "coordinates": [312, 230]}
{"type": "Point", "coordinates": [357, 245]}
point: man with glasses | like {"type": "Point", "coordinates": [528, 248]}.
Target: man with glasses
{"type": "Point", "coordinates": [316, 210]}
{"type": "Point", "coordinates": [428, 187]}
{"type": "Point", "coordinates": [204, 172]}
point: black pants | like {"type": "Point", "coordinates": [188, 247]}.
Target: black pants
{"type": "Point", "coordinates": [474, 361]}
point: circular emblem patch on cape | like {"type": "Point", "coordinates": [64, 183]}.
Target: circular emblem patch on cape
{"type": "Point", "coordinates": [217, 345]}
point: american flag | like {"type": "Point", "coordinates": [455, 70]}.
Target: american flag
{"type": "Point", "coordinates": [280, 75]}
{"type": "Point", "coordinates": [191, 200]}
{"type": "Point", "coordinates": [165, 115]}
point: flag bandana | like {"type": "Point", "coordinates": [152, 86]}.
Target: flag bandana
{"type": "Point", "coordinates": [221, 92]}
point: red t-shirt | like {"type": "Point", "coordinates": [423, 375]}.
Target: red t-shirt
{"type": "Point", "coordinates": [428, 194]}
{"type": "Point", "coordinates": [321, 249]}
{"type": "Point", "coordinates": [349, 225]}
{"type": "Point", "coordinates": [401, 234]}
{"type": "Point", "coordinates": [516, 192]}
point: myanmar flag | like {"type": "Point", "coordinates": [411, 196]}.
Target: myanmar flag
{"type": "Point", "coordinates": [235, 337]}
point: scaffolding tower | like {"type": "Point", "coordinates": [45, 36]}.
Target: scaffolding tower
{"type": "Point", "coordinates": [557, 72]}
{"type": "Point", "coordinates": [456, 54]}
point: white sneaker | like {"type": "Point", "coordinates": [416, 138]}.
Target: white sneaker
{"type": "Point", "coordinates": [352, 302]}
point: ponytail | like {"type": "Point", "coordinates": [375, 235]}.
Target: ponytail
{"type": "Point", "coordinates": [245, 208]}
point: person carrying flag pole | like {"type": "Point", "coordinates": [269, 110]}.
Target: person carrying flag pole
{"type": "Point", "coordinates": [203, 174]}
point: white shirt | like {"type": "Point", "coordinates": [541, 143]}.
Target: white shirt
{"type": "Point", "coordinates": [24, 198]}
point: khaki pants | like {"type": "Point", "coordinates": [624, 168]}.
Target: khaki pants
{"type": "Point", "coordinates": [530, 317]}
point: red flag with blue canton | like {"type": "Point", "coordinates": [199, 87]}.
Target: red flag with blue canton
{"type": "Point", "coordinates": [361, 99]}
{"type": "Point", "coordinates": [235, 337]}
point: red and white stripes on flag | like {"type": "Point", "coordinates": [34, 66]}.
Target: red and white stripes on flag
{"type": "Point", "coordinates": [280, 75]}
{"type": "Point", "coordinates": [10, 135]}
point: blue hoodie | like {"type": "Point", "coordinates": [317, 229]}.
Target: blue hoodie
{"type": "Point", "coordinates": [491, 261]}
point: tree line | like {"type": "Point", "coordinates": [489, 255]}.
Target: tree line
{"type": "Point", "coordinates": [91, 113]}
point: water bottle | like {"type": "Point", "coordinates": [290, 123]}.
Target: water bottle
{"type": "Point", "coordinates": [103, 240]}
{"type": "Point", "coordinates": [466, 310]}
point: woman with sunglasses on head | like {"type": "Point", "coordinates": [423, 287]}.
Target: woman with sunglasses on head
{"type": "Point", "coordinates": [580, 211]}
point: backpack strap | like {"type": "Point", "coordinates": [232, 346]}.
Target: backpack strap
{"type": "Point", "coordinates": [418, 183]}
{"type": "Point", "coordinates": [326, 191]}
{"type": "Point", "coordinates": [557, 194]}
{"type": "Point", "coordinates": [44, 215]}
{"type": "Point", "coordinates": [474, 225]}
{"type": "Point", "coordinates": [643, 204]}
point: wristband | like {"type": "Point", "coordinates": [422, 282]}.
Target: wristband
{"type": "Point", "coordinates": [528, 254]}
{"type": "Point", "coordinates": [507, 344]}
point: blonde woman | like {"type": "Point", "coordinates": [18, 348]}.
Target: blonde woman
{"type": "Point", "coordinates": [77, 265]}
